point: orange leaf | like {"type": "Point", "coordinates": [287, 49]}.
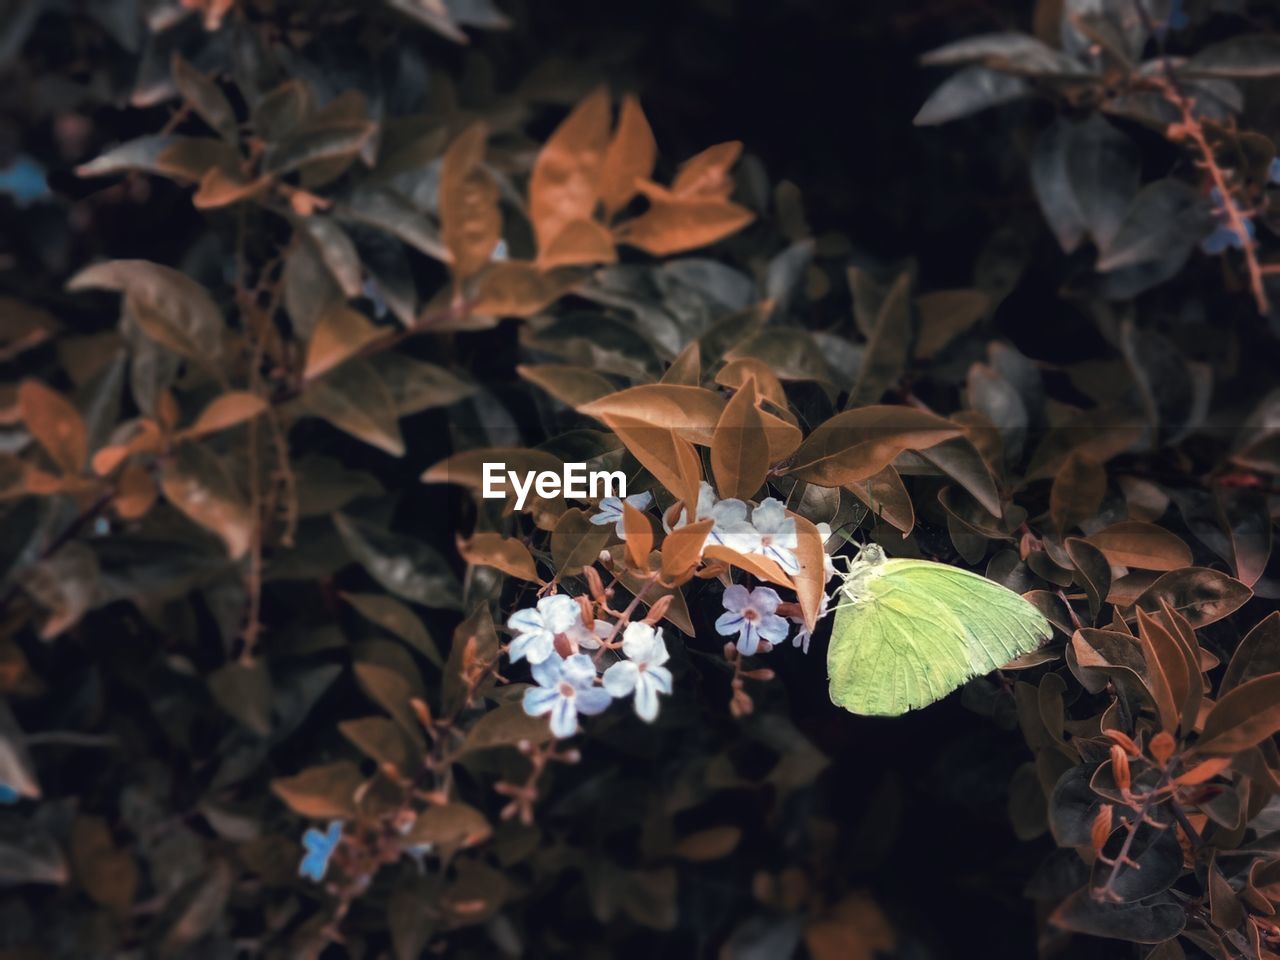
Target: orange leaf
{"type": "Point", "coordinates": [736, 372]}
{"type": "Point", "coordinates": [509, 555]}
{"type": "Point", "coordinates": [1205, 770]}
{"type": "Point", "coordinates": [672, 225]}
{"type": "Point", "coordinates": [228, 410]}
{"type": "Point", "coordinates": [566, 175]}
{"type": "Point", "coordinates": [630, 157]}
{"type": "Point", "coordinates": [578, 242]}
{"type": "Point", "coordinates": [691, 412]}
{"type": "Point", "coordinates": [811, 581]}
{"type": "Point", "coordinates": [706, 175]}
{"type": "Point", "coordinates": [670, 458]}
{"type": "Point", "coordinates": [55, 424]}
{"type": "Point", "coordinates": [639, 536]}
{"type": "Point", "coordinates": [857, 444]}
{"type": "Point", "coordinates": [739, 449]}
{"type": "Point", "coordinates": [682, 549]}
{"type": "Point", "coordinates": [470, 222]}
{"type": "Point", "coordinates": [1133, 543]}
{"type": "Point", "coordinates": [755, 564]}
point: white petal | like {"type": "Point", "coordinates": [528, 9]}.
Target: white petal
{"type": "Point", "coordinates": [661, 677]}
{"type": "Point", "coordinates": [729, 623]}
{"type": "Point", "coordinates": [620, 679]}
{"type": "Point", "coordinates": [564, 718]}
{"type": "Point", "coordinates": [539, 700]}
{"type": "Point", "coordinates": [579, 670]}
{"type": "Point", "coordinates": [765, 599]}
{"type": "Point", "coordinates": [736, 598]}
{"type": "Point", "coordinates": [646, 699]}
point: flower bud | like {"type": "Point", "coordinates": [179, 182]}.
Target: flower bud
{"type": "Point", "coordinates": [1162, 747]}
{"type": "Point", "coordinates": [1120, 767]}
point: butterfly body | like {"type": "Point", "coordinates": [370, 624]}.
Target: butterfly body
{"type": "Point", "coordinates": [908, 632]}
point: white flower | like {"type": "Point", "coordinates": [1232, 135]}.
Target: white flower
{"type": "Point", "coordinates": [565, 689]}
{"type": "Point", "coordinates": [536, 629]}
{"type": "Point", "coordinates": [588, 638]}
{"type": "Point", "coordinates": [610, 511]}
{"type": "Point", "coordinates": [731, 527]}
{"type": "Point", "coordinates": [643, 672]}
{"type": "Point", "coordinates": [751, 616]}
{"type": "Point", "coordinates": [778, 538]}
{"type": "Point", "coordinates": [803, 633]}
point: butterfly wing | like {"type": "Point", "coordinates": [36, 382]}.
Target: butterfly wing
{"type": "Point", "coordinates": [921, 630]}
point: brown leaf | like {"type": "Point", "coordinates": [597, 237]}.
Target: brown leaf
{"type": "Point", "coordinates": [1166, 671]}
{"type": "Point", "coordinates": [629, 158]}
{"type": "Point", "coordinates": [321, 792]}
{"type": "Point", "coordinates": [672, 225]}
{"type": "Point", "coordinates": [566, 175]}
{"type": "Point", "coordinates": [1133, 543]}
{"type": "Point", "coordinates": [672, 460]}
{"type": "Point", "coordinates": [1243, 717]}
{"type": "Point", "coordinates": [888, 347]}
{"type": "Point", "coordinates": [1077, 492]}
{"type": "Point", "coordinates": [107, 873]}
{"type": "Point", "coordinates": [944, 315]}
{"type": "Point", "coordinates": [811, 581]}
{"type": "Point", "coordinates": [1246, 520]}
{"type": "Point", "coordinates": [639, 536]}
{"type": "Point", "coordinates": [1198, 593]}
{"type": "Point", "coordinates": [506, 554]}
{"type": "Point", "coordinates": [886, 497]}
{"type": "Point", "coordinates": [682, 549]}
{"type": "Point", "coordinates": [55, 424]}
{"type": "Point", "coordinates": [451, 826]}
{"type": "Point", "coordinates": [710, 844]}
{"type": "Point", "coordinates": [578, 243]}
{"type": "Point", "coordinates": [856, 445]}
{"type": "Point", "coordinates": [739, 449]}
{"type": "Point", "coordinates": [692, 412]}
{"type": "Point", "coordinates": [198, 483]}
{"type": "Point", "coordinates": [506, 726]}
{"type": "Point", "coordinates": [756, 564]}
{"type": "Point", "coordinates": [516, 288]}
{"type": "Point", "coordinates": [1258, 654]}
{"type": "Point", "coordinates": [467, 470]}
{"type": "Point", "coordinates": [340, 334]}
{"type": "Point", "coordinates": [686, 368]}
{"type": "Point", "coordinates": [576, 542]}
{"type": "Point", "coordinates": [737, 372]}
{"type": "Point", "coordinates": [572, 386]}
{"type": "Point", "coordinates": [470, 222]}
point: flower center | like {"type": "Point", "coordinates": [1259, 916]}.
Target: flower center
{"type": "Point", "coordinates": [750, 615]}
{"type": "Point", "coordinates": [566, 690]}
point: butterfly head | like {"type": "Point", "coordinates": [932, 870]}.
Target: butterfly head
{"type": "Point", "coordinates": [859, 569]}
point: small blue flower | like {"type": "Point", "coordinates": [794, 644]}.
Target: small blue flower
{"type": "Point", "coordinates": [1224, 237]}
{"type": "Point", "coordinates": [751, 615]}
{"type": "Point", "coordinates": [8, 795]}
{"type": "Point", "coordinates": [24, 180]}
{"type": "Point", "coordinates": [803, 633]}
{"type": "Point", "coordinates": [610, 511]}
{"type": "Point", "coordinates": [536, 628]}
{"type": "Point", "coordinates": [320, 847]}
{"type": "Point", "coordinates": [373, 293]}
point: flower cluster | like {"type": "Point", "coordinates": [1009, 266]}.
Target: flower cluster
{"type": "Point", "coordinates": [765, 530]}
{"type": "Point", "coordinates": [551, 635]}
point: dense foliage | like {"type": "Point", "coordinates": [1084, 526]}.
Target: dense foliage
{"type": "Point", "coordinates": [276, 679]}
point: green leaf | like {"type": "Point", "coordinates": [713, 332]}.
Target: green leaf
{"type": "Point", "coordinates": [394, 617]}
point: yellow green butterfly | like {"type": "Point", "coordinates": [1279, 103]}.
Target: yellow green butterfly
{"type": "Point", "coordinates": [908, 632]}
